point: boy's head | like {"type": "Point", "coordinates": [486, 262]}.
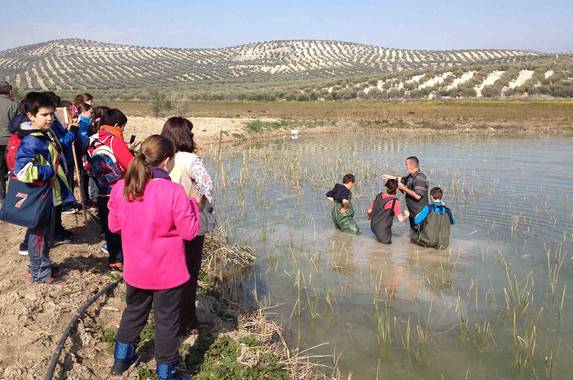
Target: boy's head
{"type": "Point", "coordinates": [436, 193]}
{"type": "Point", "coordinates": [348, 180]}
{"type": "Point", "coordinates": [40, 108]}
{"type": "Point", "coordinates": [115, 118]}
{"type": "Point", "coordinates": [391, 186]}
{"type": "Point", "coordinates": [412, 164]}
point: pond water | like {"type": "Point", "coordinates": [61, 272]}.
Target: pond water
{"type": "Point", "coordinates": [497, 304]}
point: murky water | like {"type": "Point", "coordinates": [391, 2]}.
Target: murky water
{"type": "Point", "coordinates": [498, 304]}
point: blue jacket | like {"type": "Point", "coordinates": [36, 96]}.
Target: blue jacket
{"type": "Point", "coordinates": [66, 141]}
{"type": "Point", "coordinates": [422, 215]}
{"type": "Point", "coordinates": [83, 133]}
{"type": "Point", "coordinates": [39, 159]}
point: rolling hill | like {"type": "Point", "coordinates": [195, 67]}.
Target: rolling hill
{"type": "Point", "coordinates": [73, 64]}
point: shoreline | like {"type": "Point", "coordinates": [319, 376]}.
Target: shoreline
{"type": "Point", "coordinates": [236, 130]}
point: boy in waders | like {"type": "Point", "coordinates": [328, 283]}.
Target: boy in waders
{"type": "Point", "coordinates": [382, 211]}
{"type": "Point", "coordinates": [342, 212]}
{"type": "Point", "coordinates": [434, 221]}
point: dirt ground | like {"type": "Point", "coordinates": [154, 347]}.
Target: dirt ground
{"type": "Point", "coordinates": [34, 316]}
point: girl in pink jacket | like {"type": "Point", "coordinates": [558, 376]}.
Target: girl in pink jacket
{"type": "Point", "coordinates": [154, 217]}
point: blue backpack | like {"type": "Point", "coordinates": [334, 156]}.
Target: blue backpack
{"type": "Point", "coordinates": [103, 166]}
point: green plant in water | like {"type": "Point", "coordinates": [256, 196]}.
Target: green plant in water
{"type": "Point", "coordinates": [518, 295]}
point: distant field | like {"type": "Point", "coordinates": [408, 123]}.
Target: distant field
{"type": "Point", "coordinates": [482, 110]}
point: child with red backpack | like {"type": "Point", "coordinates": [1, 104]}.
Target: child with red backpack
{"type": "Point", "coordinates": [108, 159]}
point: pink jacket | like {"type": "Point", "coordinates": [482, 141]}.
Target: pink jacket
{"type": "Point", "coordinates": [152, 233]}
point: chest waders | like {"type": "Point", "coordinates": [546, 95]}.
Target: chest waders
{"type": "Point", "coordinates": [382, 219]}
{"type": "Point", "coordinates": [344, 221]}
{"type": "Point", "coordinates": [436, 228]}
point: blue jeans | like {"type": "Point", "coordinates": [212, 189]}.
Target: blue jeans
{"type": "Point", "coordinates": [38, 241]}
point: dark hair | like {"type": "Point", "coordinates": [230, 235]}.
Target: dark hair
{"type": "Point", "coordinates": [55, 98]}
{"type": "Point", "coordinates": [415, 160]}
{"type": "Point", "coordinates": [179, 130]}
{"type": "Point", "coordinates": [113, 116]}
{"type": "Point", "coordinates": [79, 99]}
{"type": "Point", "coordinates": [154, 150]}
{"type": "Point", "coordinates": [391, 186]}
{"type": "Point", "coordinates": [99, 113]}
{"type": "Point", "coordinates": [84, 107]}
{"type": "Point", "coordinates": [5, 88]}
{"type": "Point", "coordinates": [88, 97]}
{"type": "Point", "coordinates": [436, 193]}
{"type": "Point", "coordinates": [348, 178]}
{"type": "Point", "coordinates": [36, 100]}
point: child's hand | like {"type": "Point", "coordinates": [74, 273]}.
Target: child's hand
{"type": "Point", "coordinates": [369, 212]}
{"type": "Point", "coordinates": [406, 213]}
{"type": "Point", "coordinates": [74, 126]}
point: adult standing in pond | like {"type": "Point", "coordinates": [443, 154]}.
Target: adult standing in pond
{"type": "Point", "coordinates": [414, 186]}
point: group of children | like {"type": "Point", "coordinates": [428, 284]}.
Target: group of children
{"type": "Point", "coordinates": [429, 221]}
{"type": "Point", "coordinates": [151, 223]}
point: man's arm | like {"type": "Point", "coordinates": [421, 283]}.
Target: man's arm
{"type": "Point", "coordinates": [408, 191]}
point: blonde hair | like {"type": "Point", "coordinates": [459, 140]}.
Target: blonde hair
{"type": "Point", "coordinates": [154, 150]}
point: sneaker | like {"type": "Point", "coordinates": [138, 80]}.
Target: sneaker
{"type": "Point", "coordinates": [55, 271]}
{"type": "Point", "coordinates": [50, 281]}
{"type": "Point", "coordinates": [61, 238]}
{"type": "Point", "coordinates": [124, 356]}
{"type": "Point", "coordinates": [169, 372]}
{"type": "Point", "coordinates": [116, 267]}
{"type": "Point", "coordinates": [23, 249]}
{"type": "Point", "coordinates": [103, 248]}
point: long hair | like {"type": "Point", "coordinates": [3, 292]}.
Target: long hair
{"type": "Point", "coordinates": [179, 130]}
{"type": "Point", "coordinates": [154, 150]}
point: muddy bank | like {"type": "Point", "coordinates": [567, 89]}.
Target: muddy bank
{"type": "Point", "coordinates": [210, 131]}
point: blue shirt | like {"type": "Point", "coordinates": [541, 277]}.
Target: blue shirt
{"type": "Point", "coordinates": [422, 215]}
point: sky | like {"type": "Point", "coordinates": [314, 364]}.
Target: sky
{"type": "Point", "coordinates": [542, 25]}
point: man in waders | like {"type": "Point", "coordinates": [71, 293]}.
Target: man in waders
{"type": "Point", "coordinates": [435, 220]}
{"type": "Point", "coordinates": [383, 210]}
{"type": "Point", "coordinates": [415, 188]}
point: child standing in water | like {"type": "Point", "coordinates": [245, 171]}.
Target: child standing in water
{"type": "Point", "coordinates": [155, 217]}
{"type": "Point", "coordinates": [382, 211]}
{"type": "Point", "coordinates": [343, 212]}
{"type": "Point", "coordinates": [434, 221]}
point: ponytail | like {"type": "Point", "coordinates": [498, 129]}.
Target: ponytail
{"type": "Point", "coordinates": [136, 177]}
{"type": "Point", "coordinates": [154, 150]}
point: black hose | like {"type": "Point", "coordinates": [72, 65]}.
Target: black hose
{"type": "Point", "coordinates": [72, 324]}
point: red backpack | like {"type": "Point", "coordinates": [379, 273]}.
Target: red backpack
{"type": "Point", "coordinates": [11, 150]}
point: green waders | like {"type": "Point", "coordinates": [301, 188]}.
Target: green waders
{"type": "Point", "coordinates": [344, 221]}
{"type": "Point", "coordinates": [435, 232]}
